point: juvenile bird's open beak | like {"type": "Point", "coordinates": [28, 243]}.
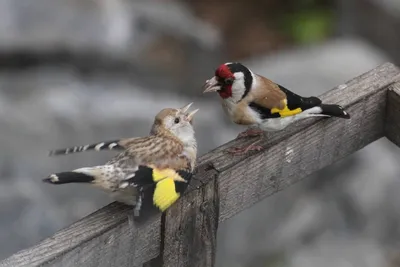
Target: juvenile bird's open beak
{"type": "Point", "coordinates": [185, 108]}
{"type": "Point", "coordinates": [191, 114]}
{"type": "Point", "coordinates": [211, 85]}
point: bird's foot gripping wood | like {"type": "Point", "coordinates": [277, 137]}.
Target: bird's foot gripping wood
{"type": "Point", "coordinates": [138, 206]}
{"type": "Point", "coordinates": [251, 132]}
{"type": "Point", "coordinates": [243, 150]}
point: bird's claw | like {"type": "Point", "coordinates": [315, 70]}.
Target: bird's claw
{"type": "Point", "coordinates": [250, 133]}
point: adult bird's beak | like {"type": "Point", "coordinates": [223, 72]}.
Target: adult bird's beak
{"type": "Point", "coordinates": [211, 85]}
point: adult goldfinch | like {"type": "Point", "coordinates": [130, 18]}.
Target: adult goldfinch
{"type": "Point", "coordinates": [253, 100]}
{"type": "Point", "coordinates": [156, 167]}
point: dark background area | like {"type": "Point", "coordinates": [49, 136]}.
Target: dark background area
{"type": "Point", "coordinates": [79, 71]}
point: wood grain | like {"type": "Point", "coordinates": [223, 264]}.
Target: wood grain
{"type": "Point", "coordinates": [103, 238]}
{"type": "Point", "coordinates": [225, 185]}
{"type": "Point", "coordinates": [392, 123]}
{"type": "Point", "coordinates": [190, 233]}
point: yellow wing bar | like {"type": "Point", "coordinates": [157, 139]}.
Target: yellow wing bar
{"type": "Point", "coordinates": [286, 112]}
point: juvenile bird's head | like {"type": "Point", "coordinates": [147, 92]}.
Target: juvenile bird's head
{"type": "Point", "coordinates": [177, 122]}
{"type": "Point", "coordinates": [231, 80]}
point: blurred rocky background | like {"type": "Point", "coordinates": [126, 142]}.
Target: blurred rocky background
{"type": "Point", "coordinates": [76, 72]}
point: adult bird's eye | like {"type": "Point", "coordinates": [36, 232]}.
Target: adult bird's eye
{"type": "Point", "coordinates": [228, 81]}
{"type": "Point", "coordinates": [177, 120]}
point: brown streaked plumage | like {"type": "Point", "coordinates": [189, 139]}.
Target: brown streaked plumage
{"type": "Point", "coordinates": [253, 100]}
{"type": "Point", "coordinates": [171, 148]}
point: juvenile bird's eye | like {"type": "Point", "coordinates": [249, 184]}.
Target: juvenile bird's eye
{"type": "Point", "coordinates": [228, 81]}
{"type": "Point", "coordinates": [177, 120]}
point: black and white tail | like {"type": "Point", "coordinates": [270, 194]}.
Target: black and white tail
{"type": "Point", "coordinates": [334, 111]}
{"type": "Point", "coordinates": [68, 177]}
{"type": "Point", "coordinates": [109, 145]}
{"type": "Point", "coordinates": [82, 175]}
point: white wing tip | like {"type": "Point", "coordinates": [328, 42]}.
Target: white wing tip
{"type": "Point", "coordinates": [112, 145]}
{"type": "Point", "coordinates": [98, 147]}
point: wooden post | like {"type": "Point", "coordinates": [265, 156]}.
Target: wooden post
{"type": "Point", "coordinates": [190, 233]}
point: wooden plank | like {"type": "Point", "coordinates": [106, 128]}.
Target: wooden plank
{"type": "Point", "coordinates": [103, 238]}
{"type": "Point", "coordinates": [156, 262]}
{"type": "Point", "coordinates": [235, 182]}
{"type": "Point", "coordinates": [190, 233]}
{"type": "Point", "coordinates": [392, 123]}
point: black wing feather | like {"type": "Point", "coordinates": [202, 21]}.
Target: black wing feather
{"type": "Point", "coordinates": [294, 101]}
{"type": "Point", "coordinates": [143, 180]}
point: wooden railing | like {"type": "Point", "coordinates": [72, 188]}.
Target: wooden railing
{"type": "Point", "coordinates": [185, 236]}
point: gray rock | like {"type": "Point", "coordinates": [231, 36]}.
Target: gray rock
{"type": "Point", "coordinates": [114, 27]}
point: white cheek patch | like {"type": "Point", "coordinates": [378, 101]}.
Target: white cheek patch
{"type": "Point", "coordinates": [238, 75]}
{"type": "Point", "coordinates": [238, 86]}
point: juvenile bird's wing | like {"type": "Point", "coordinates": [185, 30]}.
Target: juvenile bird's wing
{"type": "Point", "coordinates": [272, 100]}
{"type": "Point", "coordinates": [162, 171]}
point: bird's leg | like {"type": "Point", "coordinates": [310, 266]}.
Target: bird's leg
{"type": "Point", "coordinates": [138, 206]}
{"type": "Point", "coordinates": [250, 132]}
{"type": "Point", "coordinates": [136, 212]}
{"type": "Point", "coordinates": [132, 223]}
{"type": "Point", "coordinates": [242, 150]}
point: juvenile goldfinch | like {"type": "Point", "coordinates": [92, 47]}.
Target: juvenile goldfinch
{"type": "Point", "coordinates": [158, 166]}
{"type": "Point", "coordinates": [251, 99]}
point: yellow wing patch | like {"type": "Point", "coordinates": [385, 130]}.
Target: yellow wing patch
{"type": "Point", "coordinates": [286, 112]}
{"type": "Point", "coordinates": [165, 194]}
{"type": "Point", "coordinates": [158, 175]}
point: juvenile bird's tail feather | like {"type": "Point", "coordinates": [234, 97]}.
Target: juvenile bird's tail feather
{"type": "Point", "coordinates": [69, 177]}
{"type": "Point", "coordinates": [334, 111]}
{"type": "Point", "coordinates": [110, 145]}
{"type": "Point", "coordinates": [82, 175]}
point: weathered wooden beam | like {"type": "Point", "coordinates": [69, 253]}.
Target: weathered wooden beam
{"type": "Point", "coordinates": [392, 123]}
{"type": "Point", "coordinates": [103, 238]}
{"type": "Point", "coordinates": [223, 186]}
